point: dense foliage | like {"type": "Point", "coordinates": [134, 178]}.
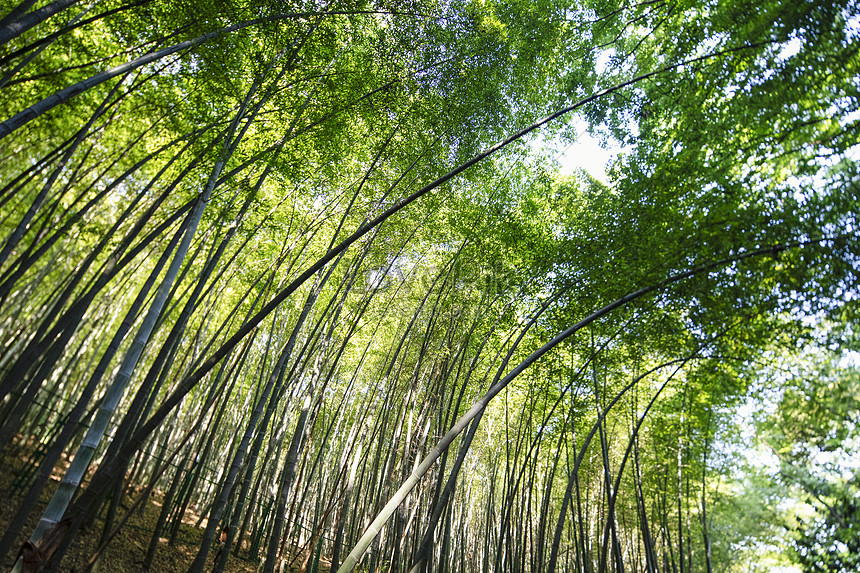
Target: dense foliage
{"type": "Point", "coordinates": [305, 270]}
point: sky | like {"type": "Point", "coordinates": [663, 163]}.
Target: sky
{"type": "Point", "coordinates": [586, 153]}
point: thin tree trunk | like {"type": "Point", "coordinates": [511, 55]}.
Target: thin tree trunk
{"type": "Point", "coordinates": [705, 535]}
{"type": "Point", "coordinates": [19, 20]}
{"type": "Point", "coordinates": [217, 509]}
{"type": "Point", "coordinates": [284, 487]}
{"type": "Point", "coordinates": [17, 234]}
{"type": "Point", "coordinates": [75, 415]}
{"type": "Point", "coordinates": [57, 506]}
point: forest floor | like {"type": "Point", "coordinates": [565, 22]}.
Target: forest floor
{"type": "Point", "coordinates": [125, 553]}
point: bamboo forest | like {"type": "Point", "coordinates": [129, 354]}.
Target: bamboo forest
{"type": "Point", "coordinates": [337, 285]}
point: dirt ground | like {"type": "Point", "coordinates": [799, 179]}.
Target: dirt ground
{"type": "Point", "coordinates": [127, 550]}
